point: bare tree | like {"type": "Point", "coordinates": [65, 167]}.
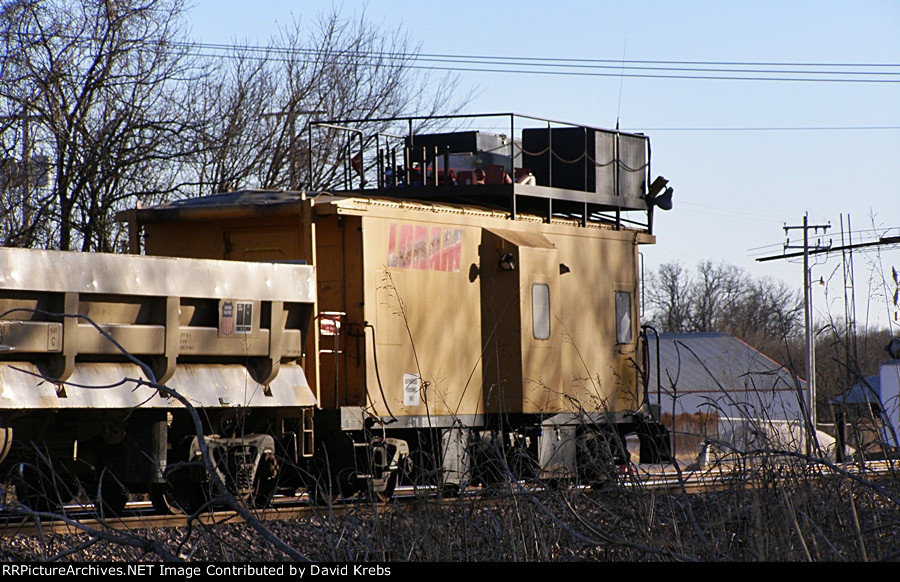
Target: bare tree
{"type": "Point", "coordinates": [724, 298]}
{"type": "Point", "coordinates": [23, 175]}
{"type": "Point", "coordinates": [768, 315]}
{"type": "Point", "coordinates": [714, 295]}
{"type": "Point", "coordinates": [100, 86]}
{"type": "Point", "coordinates": [336, 68]}
{"type": "Point", "coordinates": [668, 298]}
{"type": "Point", "coordinates": [123, 111]}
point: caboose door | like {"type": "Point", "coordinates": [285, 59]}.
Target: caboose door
{"type": "Point", "coordinates": [519, 276]}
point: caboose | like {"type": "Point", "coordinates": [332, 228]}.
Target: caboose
{"type": "Point", "coordinates": [477, 308]}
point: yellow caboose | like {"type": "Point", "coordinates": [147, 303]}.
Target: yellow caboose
{"type": "Point", "coordinates": [478, 302]}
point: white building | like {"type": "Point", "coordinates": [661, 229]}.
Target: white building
{"type": "Point", "coordinates": [715, 387]}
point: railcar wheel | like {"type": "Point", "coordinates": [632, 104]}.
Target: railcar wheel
{"type": "Point", "coordinates": [387, 493]}
{"type": "Point", "coordinates": [268, 476]}
{"type": "Point", "coordinates": [322, 491]}
{"type": "Point", "coordinates": [419, 467]}
{"type": "Point", "coordinates": [161, 501]}
{"type": "Point", "coordinates": [186, 488]}
{"type": "Point", "coordinates": [265, 492]}
{"type": "Point", "coordinates": [6, 438]}
{"type": "Point", "coordinates": [112, 496]}
{"type": "Point", "coordinates": [37, 488]}
{"type": "Point", "coordinates": [328, 488]}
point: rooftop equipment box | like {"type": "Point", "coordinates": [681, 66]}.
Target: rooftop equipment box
{"type": "Point", "coordinates": [573, 158]}
{"type": "Point", "coordinates": [585, 159]}
{"type": "Point", "coordinates": [490, 148]}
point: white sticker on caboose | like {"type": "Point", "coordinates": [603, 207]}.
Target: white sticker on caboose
{"type": "Point", "coordinates": [410, 390]}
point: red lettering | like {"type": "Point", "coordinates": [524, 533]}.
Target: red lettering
{"type": "Point", "coordinates": [420, 260]}
{"type": "Point", "coordinates": [424, 248]}
{"type": "Point", "coordinates": [405, 245]}
{"type": "Point", "coordinates": [451, 253]}
{"type": "Point", "coordinates": [434, 250]}
{"type": "Point", "coordinates": [392, 261]}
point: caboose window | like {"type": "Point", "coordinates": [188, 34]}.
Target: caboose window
{"type": "Point", "coordinates": [540, 310]}
{"type": "Point", "coordinates": [623, 317]}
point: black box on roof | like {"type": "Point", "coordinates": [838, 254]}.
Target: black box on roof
{"type": "Point", "coordinates": [461, 142]}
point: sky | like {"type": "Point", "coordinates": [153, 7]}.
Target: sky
{"type": "Point", "coordinates": [745, 157]}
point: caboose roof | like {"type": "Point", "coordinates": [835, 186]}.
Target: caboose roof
{"type": "Point", "coordinates": [259, 202]}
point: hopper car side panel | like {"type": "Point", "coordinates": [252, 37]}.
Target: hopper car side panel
{"type": "Point", "coordinates": [86, 337]}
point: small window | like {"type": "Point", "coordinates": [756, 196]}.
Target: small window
{"type": "Point", "coordinates": [623, 317]}
{"type": "Point", "coordinates": [540, 310]}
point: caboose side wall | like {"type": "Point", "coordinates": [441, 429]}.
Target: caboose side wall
{"type": "Point", "coordinates": [446, 307]}
{"type": "Point", "coordinates": [424, 309]}
{"type": "Point", "coordinates": [599, 370]}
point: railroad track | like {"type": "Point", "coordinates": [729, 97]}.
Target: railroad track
{"type": "Point", "coordinates": [139, 516]}
{"type": "Point", "coordinates": [77, 519]}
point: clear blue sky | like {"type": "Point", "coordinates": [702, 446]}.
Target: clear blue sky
{"type": "Point", "coordinates": [735, 187]}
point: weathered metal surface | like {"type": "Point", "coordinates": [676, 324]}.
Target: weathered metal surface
{"type": "Point", "coordinates": [116, 386]}
{"type": "Point", "coordinates": [59, 271]}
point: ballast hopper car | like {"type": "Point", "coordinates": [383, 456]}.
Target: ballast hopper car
{"type": "Point", "coordinates": [87, 339]}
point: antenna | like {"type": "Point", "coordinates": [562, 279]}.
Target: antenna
{"type": "Point", "coordinates": [621, 83]}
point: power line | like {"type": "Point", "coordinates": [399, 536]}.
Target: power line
{"type": "Point", "coordinates": [409, 60]}
{"type": "Point", "coordinates": [615, 63]}
{"type": "Point", "coordinates": [659, 76]}
{"type": "Point", "coordinates": [587, 64]}
{"type": "Point", "coordinates": [824, 72]}
{"type": "Point", "coordinates": [882, 241]}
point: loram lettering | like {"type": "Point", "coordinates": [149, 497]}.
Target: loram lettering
{"type": "Point", "coordinates": [424, 248]}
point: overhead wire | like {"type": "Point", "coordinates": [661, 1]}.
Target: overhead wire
{"type": "Point", "coordinates": [771, 128]}
{"type": "Point", "coordinates": [409, 60]}
{"type": "Point", "coordinates": [828, 72]}
{"type": "Point", "coordinates": [614, 63]}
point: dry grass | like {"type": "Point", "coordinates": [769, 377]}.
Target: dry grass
{"type": "Point", "coordinates": [771, 507]}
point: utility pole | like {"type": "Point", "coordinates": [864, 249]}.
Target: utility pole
{"type": "Point", "coordinates": [22, 175]}
{"type": "Point", "coordinates": [807, 304]}
{"type": "Point", "coordinates": [811, 362]}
